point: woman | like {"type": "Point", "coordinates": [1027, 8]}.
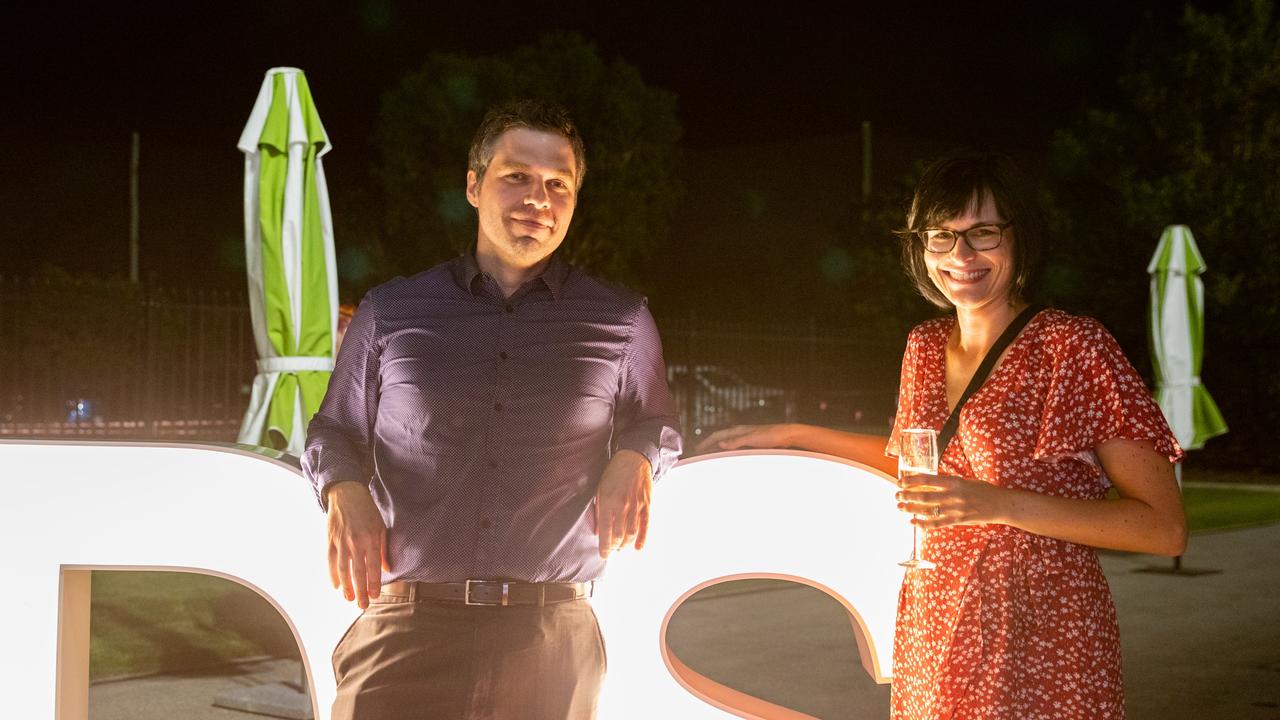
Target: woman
{"type": "Point", "coordinates": [1016, 621]}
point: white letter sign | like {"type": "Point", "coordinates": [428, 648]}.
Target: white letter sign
{"type": "Point", "coordinates": [72, 507]}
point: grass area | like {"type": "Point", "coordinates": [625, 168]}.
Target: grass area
{"type": "Point", "coordinates": [145, 622]}
{"type": "Point", "coordinates": [1193, 474]}
{"type": "Point", "coordinates": [1222, 508]}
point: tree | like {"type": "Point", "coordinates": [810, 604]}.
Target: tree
{"type": "Point", "coordinates": [1194, 139]}
{"type": "Point", "coordinates": [630, 130]}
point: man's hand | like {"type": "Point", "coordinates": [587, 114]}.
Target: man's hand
{"type": "Point", "coordinates": [622, 502]}
{"type": "Point", "coordinates": [357, 542]}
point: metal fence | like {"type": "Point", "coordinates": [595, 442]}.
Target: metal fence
{"type": "Point", "coordinates": [119, 360]}
{"type": "Point", "coordinates": [724, 373]}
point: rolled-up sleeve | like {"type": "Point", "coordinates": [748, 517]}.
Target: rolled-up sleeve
{"type": "Point", "coordinates": [339, 443]}
{"type": "Point", "coordinates": [645, 417]}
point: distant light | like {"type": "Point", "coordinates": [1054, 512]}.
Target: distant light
{"type": "Point", "coordinates": [836, 265]}
{"type": "Point", "coordinates": [378, 15]}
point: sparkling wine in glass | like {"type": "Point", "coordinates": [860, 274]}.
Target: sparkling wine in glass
{"type": "Point", "coordinates": [917, 454]}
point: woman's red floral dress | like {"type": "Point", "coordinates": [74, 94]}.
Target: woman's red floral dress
{"type": "Point", "coordinates": [1012, 624]}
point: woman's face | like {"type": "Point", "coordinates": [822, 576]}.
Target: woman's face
{"type": "Point", "coordinates": [974, 279]}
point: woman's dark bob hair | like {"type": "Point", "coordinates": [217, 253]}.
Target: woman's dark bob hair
{"type": "Point", "coordinates": [960, 180]}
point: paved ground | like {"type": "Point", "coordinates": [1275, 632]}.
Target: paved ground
{"type": "Point", "coordinates": [1205, 647]}
{"type": "Point", "coordinates": [185, 696]}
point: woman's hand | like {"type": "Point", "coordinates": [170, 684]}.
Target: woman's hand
{"type": "Point", "coordinates": [866, 449]}
{"type": "Point", "coordinates": [942, 500]}
{"type": "Point", "coordinates": [1146, 517]}
{"type": "Point", "coordinates": [740, 436]}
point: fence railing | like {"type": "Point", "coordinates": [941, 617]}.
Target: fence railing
{"type": "Point", "coordinates": [723, 373]}
{"type": "Point", "coordinates": [118, 360]}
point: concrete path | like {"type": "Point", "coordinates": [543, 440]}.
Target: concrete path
{"type": "Point", "coordinates": [1203, 647]}
{"type": "Point", "coordinates": [185, 696]}
{"type": "Point", "coordinates": [1208, 646]}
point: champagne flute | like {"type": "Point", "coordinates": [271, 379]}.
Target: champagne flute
{"type": "Point", "coordinates": [917, 454]}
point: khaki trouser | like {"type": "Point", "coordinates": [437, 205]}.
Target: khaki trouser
{"type": "Point", "coordinates": [406, 660]}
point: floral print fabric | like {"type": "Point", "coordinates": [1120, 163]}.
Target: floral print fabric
{"type": "Point", "coordinates": [1011, 624]}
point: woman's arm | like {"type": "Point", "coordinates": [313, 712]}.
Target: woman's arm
{"type": "Point", "coordinates": [866, 449]}
{"type": "Point", "coordinates": [1146, 517]}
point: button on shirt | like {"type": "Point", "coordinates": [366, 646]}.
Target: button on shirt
{"type": "Point", "coordinates": [482, 423]}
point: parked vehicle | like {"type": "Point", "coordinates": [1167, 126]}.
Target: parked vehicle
{"type": "Point", "coordinates": [712, 397]}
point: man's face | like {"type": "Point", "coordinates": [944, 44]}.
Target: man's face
{"type": "Point", "coordinates": [526, 198]}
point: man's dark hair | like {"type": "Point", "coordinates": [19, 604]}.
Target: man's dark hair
{"type": "Point", "coordinates": [533, 114]}
{"type": "Point", "coordinates": [963, 179]}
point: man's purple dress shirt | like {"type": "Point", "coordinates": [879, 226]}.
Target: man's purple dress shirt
{"type": "Point", "coordinates": [482, 424]}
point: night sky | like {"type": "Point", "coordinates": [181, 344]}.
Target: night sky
{"type": "Point", "coordinates": [80, 79]}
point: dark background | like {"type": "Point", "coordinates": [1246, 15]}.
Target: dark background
{"type": "Point", "coordinates": [770, 101]}
{"type": "Point", "coordinates": [797, 78]}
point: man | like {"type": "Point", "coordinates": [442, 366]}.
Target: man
{"type": "Point", "coordinates": [489, 436]}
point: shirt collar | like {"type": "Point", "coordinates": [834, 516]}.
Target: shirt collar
{"type": "Point", "coordinates": [554, 275]}
{"type": "Point", "coordinates": [467, 270]}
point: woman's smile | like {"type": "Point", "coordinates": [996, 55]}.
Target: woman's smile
{"type": "Point", "coordinates": [965, 277]}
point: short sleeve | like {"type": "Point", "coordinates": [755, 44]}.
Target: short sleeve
{"type": "Point", "coordinates": [1095, 395]}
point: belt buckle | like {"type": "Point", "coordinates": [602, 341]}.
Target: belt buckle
{"type": "Point", "coordinates": [466, 594]}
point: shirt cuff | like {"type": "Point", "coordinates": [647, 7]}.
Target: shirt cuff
{"type": "Point", "coordinates": [322, 490]}
{"type": "Point", "coordinates": [661, 456]}
{"type": "Point", "coordinates": [648, 450]}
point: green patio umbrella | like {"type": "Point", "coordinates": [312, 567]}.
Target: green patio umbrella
{"type": "Point", "coordinates": [1177, 338]}
{"type": "Point", "coordinates": [289, 253]}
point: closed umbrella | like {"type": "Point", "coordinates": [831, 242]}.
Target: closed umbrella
{"type": "Point", "coordinates": [1177, 338]}
{"type": "Point", "coordinates": [291, 267]}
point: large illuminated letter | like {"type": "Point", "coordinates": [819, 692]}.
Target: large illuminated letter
{"type": "Point", "coordinates": [810, 518]}
{"type": "Point", "coordinates": [224, 510]}
{"type": "Point", "coordinates": [74, 507]}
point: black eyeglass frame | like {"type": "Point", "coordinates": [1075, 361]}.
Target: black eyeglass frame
{"type": "Point", "coordinates": [924, 240]}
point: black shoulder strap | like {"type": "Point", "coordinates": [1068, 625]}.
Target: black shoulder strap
{"type": "Point", "coordinates": [980, 376]}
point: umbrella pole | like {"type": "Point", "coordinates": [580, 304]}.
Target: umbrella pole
{"type": "Point", "coordinates": [1177, 568]}
{"type": "Point", "coordinates": [1177, 475]}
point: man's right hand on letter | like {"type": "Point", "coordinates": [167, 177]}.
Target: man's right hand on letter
{"type": "Point", "coordinates": [357, 542]}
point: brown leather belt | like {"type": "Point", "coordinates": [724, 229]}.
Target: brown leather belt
{"type": "Point", "coordinates": [487, 592]}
